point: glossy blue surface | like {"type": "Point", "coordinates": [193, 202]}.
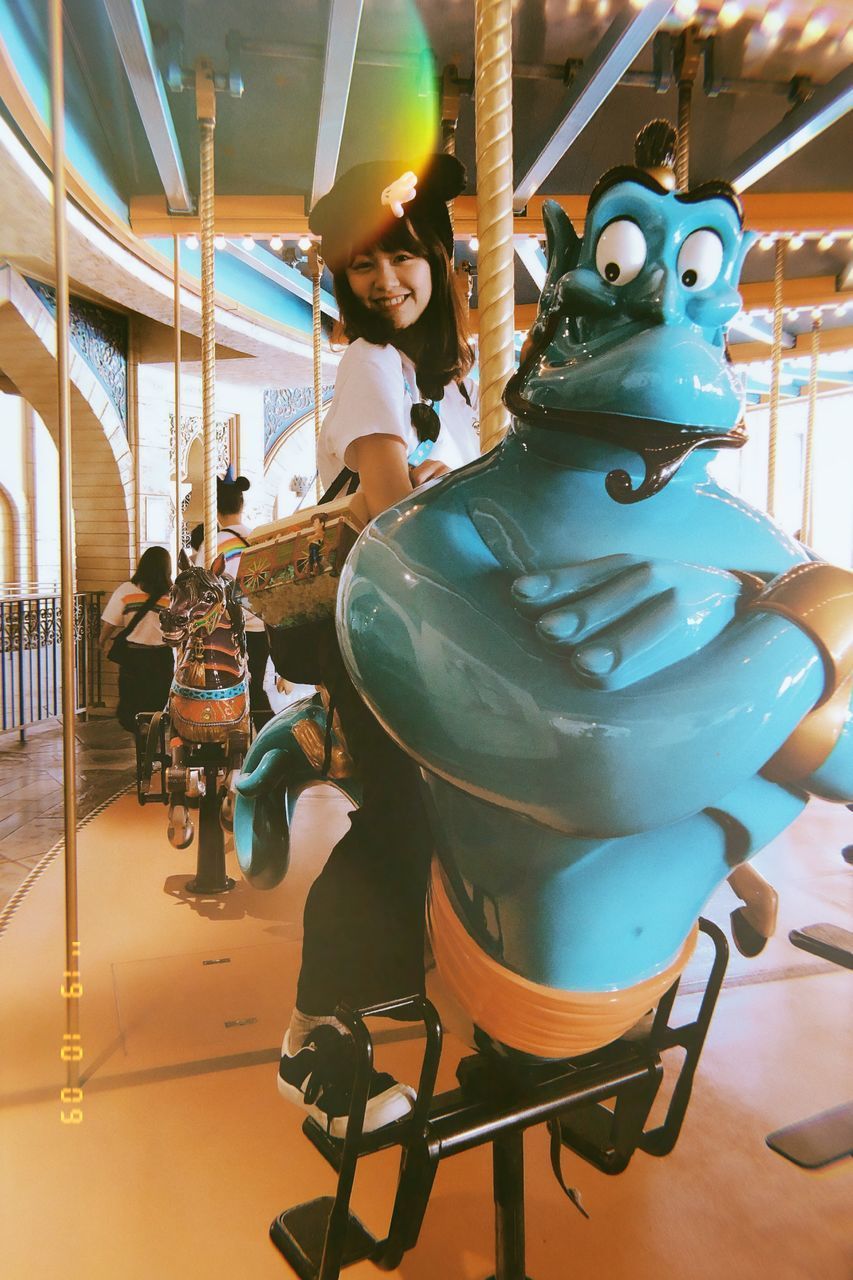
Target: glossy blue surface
{"type": "Point", "coordinates": [590, 706]}
{"type": "Point", "coordinates": [275, 773]}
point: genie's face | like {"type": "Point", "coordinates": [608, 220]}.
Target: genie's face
{"type": "Point", "coordinates": [643, 313]}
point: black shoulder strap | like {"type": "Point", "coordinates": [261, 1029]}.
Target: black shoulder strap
{"type": "Point", "coordinates": [237, 534]}
{"type": "Point", "coordinates": [340, 482]}
{"type": "Point", "coordinates": [463, 391]}
{"type": "Point", "coordinates": [135, 621]}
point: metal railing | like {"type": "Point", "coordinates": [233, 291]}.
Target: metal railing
{"type": "Point", "coordinates": [31, 660]}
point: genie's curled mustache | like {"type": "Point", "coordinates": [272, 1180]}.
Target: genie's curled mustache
{"type": "Point", "coordinates": [619, 679]}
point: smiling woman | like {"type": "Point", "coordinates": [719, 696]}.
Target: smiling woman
{"type": "Point", "coordinates": [400, 415]}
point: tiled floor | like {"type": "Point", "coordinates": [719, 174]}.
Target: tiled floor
{"type": "Point", "coordinates": [184, 1151]}
{"type": "Point", "coordinates": [31, 800]}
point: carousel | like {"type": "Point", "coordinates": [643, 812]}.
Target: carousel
{"type": "Point", "coordinates": [617, 645]}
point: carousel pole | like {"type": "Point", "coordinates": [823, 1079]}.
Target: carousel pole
{"type": "Point", "coordinates": [496, 276]}
{"type": "Point", "coordinates": [775, 372]}
{"type": "Point", "coordinates": [71, 987]}
{"type": "Point", "coordinates": [177, 327]}
{"type": "Point", "coordinates": [205, 96]}
{"type": "Point", "coordinates": [807, 522]}
{"type": "Point", "coordinates": [688, 55]}
{"type": "Point", "coordinates": [316, 273]}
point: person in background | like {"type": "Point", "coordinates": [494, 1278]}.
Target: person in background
{"type": "Point", "coordinates": [232, 540]}
{"type": "Point", "coordinates": [401, 414]}
{"type": "Point", "coordinates": [145, 676]}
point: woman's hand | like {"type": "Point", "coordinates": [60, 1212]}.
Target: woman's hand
{"type": "Point", "coordinates": [429, 469]}
{"type": "Point", "coordinates": [621, 619]}
{"type": "Point", "coordinates": [108, 632]}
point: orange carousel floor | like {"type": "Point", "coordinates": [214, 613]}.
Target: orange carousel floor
{"type": "Point", "coordinates": [185, 1153]}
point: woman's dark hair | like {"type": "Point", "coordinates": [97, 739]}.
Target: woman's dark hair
{"type": "Point", "coordinates": [154, 572]}
{"type": "Point", "coordinates": [446, 354]}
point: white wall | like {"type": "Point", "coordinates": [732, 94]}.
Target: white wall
{"type": "Point", "coordinates": [155, 405]}
{"type": "Point", "coordinates": [30, 479]}
{"type": "Point", "coordinates": [745, 470]}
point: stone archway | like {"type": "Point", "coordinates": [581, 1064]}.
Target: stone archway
{"type": "Point", "coordinates": [102, 462]}
{"type": "Point", "coordinates": [10, 540]}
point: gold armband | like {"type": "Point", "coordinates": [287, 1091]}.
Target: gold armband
{"type": "Point", "coordinates": [812, 740]}
{"type": "Point", "coordinates": [818, 598]}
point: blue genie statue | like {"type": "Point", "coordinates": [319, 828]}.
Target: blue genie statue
{"type": "Point", "coordinates": [620, 680]}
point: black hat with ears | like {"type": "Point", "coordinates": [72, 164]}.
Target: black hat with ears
{"type": "Point", "coordinates": [365, 201]}
{"type": "Point", "coordinates": [229, 485]}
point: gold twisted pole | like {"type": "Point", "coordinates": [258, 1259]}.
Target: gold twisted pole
{"type": "Point", "coordinates": [206, 114]}
{"type": "Point", "coordinates": [176, 319]}
{"type": "Point", "coordinates": [493, 105]}
{"type": "Point", "coordinates": [316, 271]}
{"type": "Point", "coordinates": [71, 988]}
{"type": "Point", "coordinates": [682, 145]}
{"type": "Point", "coordinates": [775, 372]}
{"type": "Point", "coordinates": [807, 523]}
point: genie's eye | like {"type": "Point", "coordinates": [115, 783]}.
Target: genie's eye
{"type": "Point", "coordinates": [620, 252]}
{"type": "Point", "coordinates": [700, 259]}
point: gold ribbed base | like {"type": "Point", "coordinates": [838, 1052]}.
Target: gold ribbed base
{"type": "Point", "coordinates": [525, 1015]}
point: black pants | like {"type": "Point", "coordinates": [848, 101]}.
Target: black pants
{"type": "Point", "coordinates": [144, 681]}
{"type": "Point", "coordinates": [257, 652]}
{"type": "Point", "coordinates": [364, 917]}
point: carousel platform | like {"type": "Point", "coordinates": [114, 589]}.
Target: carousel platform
{"type": "Point", "coordinates": [185, 1153]}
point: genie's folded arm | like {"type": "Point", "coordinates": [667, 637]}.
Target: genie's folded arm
{"type": "Point", "coordinates": [467, 687]}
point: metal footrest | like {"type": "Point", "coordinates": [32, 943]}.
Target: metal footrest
{"type": "Point", "coordinates": [300, 1234]}
{"type": "Point", "coordinates": [597, 1105]}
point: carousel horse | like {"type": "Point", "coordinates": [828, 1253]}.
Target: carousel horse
{"type": "Point", "coordinates": [209, 700]}
{"type": "Point", "coordinates": [619, 679]}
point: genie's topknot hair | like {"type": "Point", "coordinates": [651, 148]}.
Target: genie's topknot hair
{"type": "Point", "coordinates": [654, 146]}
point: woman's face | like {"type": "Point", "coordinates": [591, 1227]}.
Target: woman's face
{"type": "Point", "coordinates": [395, 285]}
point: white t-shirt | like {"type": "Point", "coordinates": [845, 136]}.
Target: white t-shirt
{"type": "Point", "coordinates": [231, 546]}
{"type": "Point", "coordinates": [374, 391]}
{"type": "Point", "coordinates": [126, 601]}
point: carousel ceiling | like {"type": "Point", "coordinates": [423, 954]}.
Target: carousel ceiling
{"type": "Point", "coordinates": [311, 87]}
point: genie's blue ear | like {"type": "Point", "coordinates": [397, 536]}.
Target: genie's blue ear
{"type": "Point", "coordinates": [563, 248]}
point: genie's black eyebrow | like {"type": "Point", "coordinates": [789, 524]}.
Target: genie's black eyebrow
{"type": "Point", "coordinates": [710, 191]}
{"type": "Point", "coordinates": [623, 173]}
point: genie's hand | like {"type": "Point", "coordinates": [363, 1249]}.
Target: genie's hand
{"type": "Point", "coordinates": [620, 619]}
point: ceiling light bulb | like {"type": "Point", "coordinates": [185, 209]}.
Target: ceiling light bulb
{"type": "Point", "coordinates": [686, 8]}
{"type": "Point", "coordinates": [473, 244]}
{"type": "Point", "coordinates": [816, 27]}
{"type": "Point", "coordinates": [192, 243]}
{"type": "Point", "coordinates": [796, 242]}
{"type": "Point", "coordinates": [772, 23]}
{"type": "Point", "coordinates": [305, 243]}
{"type": "Point", "coordinates": [730, 13]}
{"type": "Point", "coordinates": [248, 243]}
{"type": "Point", "coordinates": [276, 244]}
{"type": "Point", "coordinates": [219, 242]}
{"type": "Point", "coordinates": [766, 242]}
{"type": "Point", "coordinates": [817, 313]}
{"type": "Point", "coordinates": [826, 242]}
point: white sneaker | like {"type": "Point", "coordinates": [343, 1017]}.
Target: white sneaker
{"type": "Point", "coordinates": [319, 1078]}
